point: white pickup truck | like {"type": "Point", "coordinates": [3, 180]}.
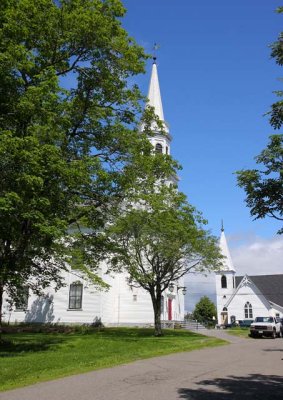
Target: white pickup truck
{"type": "Point", "coordinates": [266, 326]}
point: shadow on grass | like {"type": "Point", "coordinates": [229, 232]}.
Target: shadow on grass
{"type": "Point", "coordinates": [254, 386]}
{"type": "Point", "coordinates": [12, 346]}
{"type": "Point", "coordinates": [138, 333]}
{"type": "Point", "coordinates": [21, 343]}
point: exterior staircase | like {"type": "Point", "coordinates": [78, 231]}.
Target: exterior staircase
{"type": "Point", "coordinates": [190, 325]}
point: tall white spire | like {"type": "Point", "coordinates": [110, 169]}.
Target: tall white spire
{"type": "Point", "coordinates": [154, 95]}
{"type": "Point", "coordinates": [227, 261]}
{"type": "Point", "coordinates": [154, 98]}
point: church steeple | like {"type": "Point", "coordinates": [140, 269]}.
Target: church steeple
{"type": "Point", "coordinates": [162, 139]}
{"type": "Point", "coordinates": [154, 95]}
{"type": "Point", "coordinates": [227, 262]}
{"type": "Point", "coordinates": [225, 281]}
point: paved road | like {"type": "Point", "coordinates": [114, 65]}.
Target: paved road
{"type": "Point", "coordinates": [244, 369]}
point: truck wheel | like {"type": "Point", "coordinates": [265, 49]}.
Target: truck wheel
{"type": "Point", "coordinates": [274, 334]}
{"type": "Point", "coordinates": [280, 334]}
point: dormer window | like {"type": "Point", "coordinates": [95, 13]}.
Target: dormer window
{"type": "Point", "coordinates": [158, 148]}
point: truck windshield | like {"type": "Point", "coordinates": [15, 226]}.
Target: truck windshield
{"type": "Point", "coordinates": [264, 319]}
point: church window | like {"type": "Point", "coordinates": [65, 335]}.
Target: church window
{"type": "Point", "coordinates": [223, 282]}
{"type": "Point", "coordinates": [75, 296]}
{"type": "Point", "coordinates": [167, 150]}
{"type": "Point", "coordinates": [225, 309]}
{"type": "Point", "coordinates": [248, 310]}
{"type": "Point", "coordinates": [158, 148]}
{"type": "Point", "coordinates": [135, 297]}
{"type": "Point", "coordinates": [21, 302]}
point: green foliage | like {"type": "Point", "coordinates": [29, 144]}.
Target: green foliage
{"type": "Point", "coordinates": [276, 112]}
{"type": "Point", "coordinates": [68, 129]}
{"type": "Point", "coordinates": [264, 186]}
{"type": "Point", "coordinates": [76, 353]}
{"type": "Point", "coordinates": [205, 310]}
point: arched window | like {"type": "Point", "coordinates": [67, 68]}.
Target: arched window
{"type": "Point", "coordinates": [158, 148]}
{"type": "Point", "coordinates": [223, 282]}
{"type": "Point", "coordinates": [75, 296]}
{"type": "Point", "coordinates": [248, 310]}
{"type": "Point", "coordinates": [225, 309]}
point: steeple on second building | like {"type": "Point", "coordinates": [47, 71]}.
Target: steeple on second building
{"type": "Point", "coordinates": [227, 262]}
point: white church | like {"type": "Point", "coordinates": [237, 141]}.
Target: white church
{"type": "Point", "coordinates": [238, 297]}
{"type": "Point", "coordinates": [80, 302]}
{"type": "Point", "coordinates": [241, 298]}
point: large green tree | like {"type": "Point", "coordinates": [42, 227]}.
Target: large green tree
{"type": "Point", "coordinates": [68, 129]}
{"type": "Point", "coordinates": [158, 239]}
{"type": "Point", "coordinates": [264, 186]}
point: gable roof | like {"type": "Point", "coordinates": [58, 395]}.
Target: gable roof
{"type": "Point", "coordinates": [271, 286]}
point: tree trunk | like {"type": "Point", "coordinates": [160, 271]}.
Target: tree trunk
{"type": "Point", "coordinates": [156, 302]}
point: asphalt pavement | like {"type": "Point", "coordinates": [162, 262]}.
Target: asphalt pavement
{"type": "Point", "coordinates": [244, 369]}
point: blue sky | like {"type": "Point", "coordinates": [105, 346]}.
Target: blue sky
{"type": "Point", "coordinates": [216, 79]}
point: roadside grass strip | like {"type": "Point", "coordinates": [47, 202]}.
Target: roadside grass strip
{"type": "Point", "coordinates": [240, 332]}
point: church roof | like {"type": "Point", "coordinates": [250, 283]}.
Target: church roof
{"type": "Point", "coordinates": [271, 286]}
{"type": "Point", "coordinates": [227, 262]}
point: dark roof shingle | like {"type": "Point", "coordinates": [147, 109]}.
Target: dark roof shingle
{"type": "Point", "coordinates": [271, 286]}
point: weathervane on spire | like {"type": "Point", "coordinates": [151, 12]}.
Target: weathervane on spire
{"type": "Point", "coordinates": [155, 48]}
{"type": "Point", "coordinates": [222, 226]}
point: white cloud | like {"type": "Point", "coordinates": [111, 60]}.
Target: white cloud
{"type": "Point", "coordinates": [259, 256]}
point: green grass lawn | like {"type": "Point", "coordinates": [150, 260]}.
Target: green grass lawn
{"type": "Point", "coordinates": [26, 358]}
{"type": "Point", "coordinates": [242, 332]}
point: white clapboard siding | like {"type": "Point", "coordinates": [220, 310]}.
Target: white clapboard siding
{"type": "Point", "coordinates": [120, 305]}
